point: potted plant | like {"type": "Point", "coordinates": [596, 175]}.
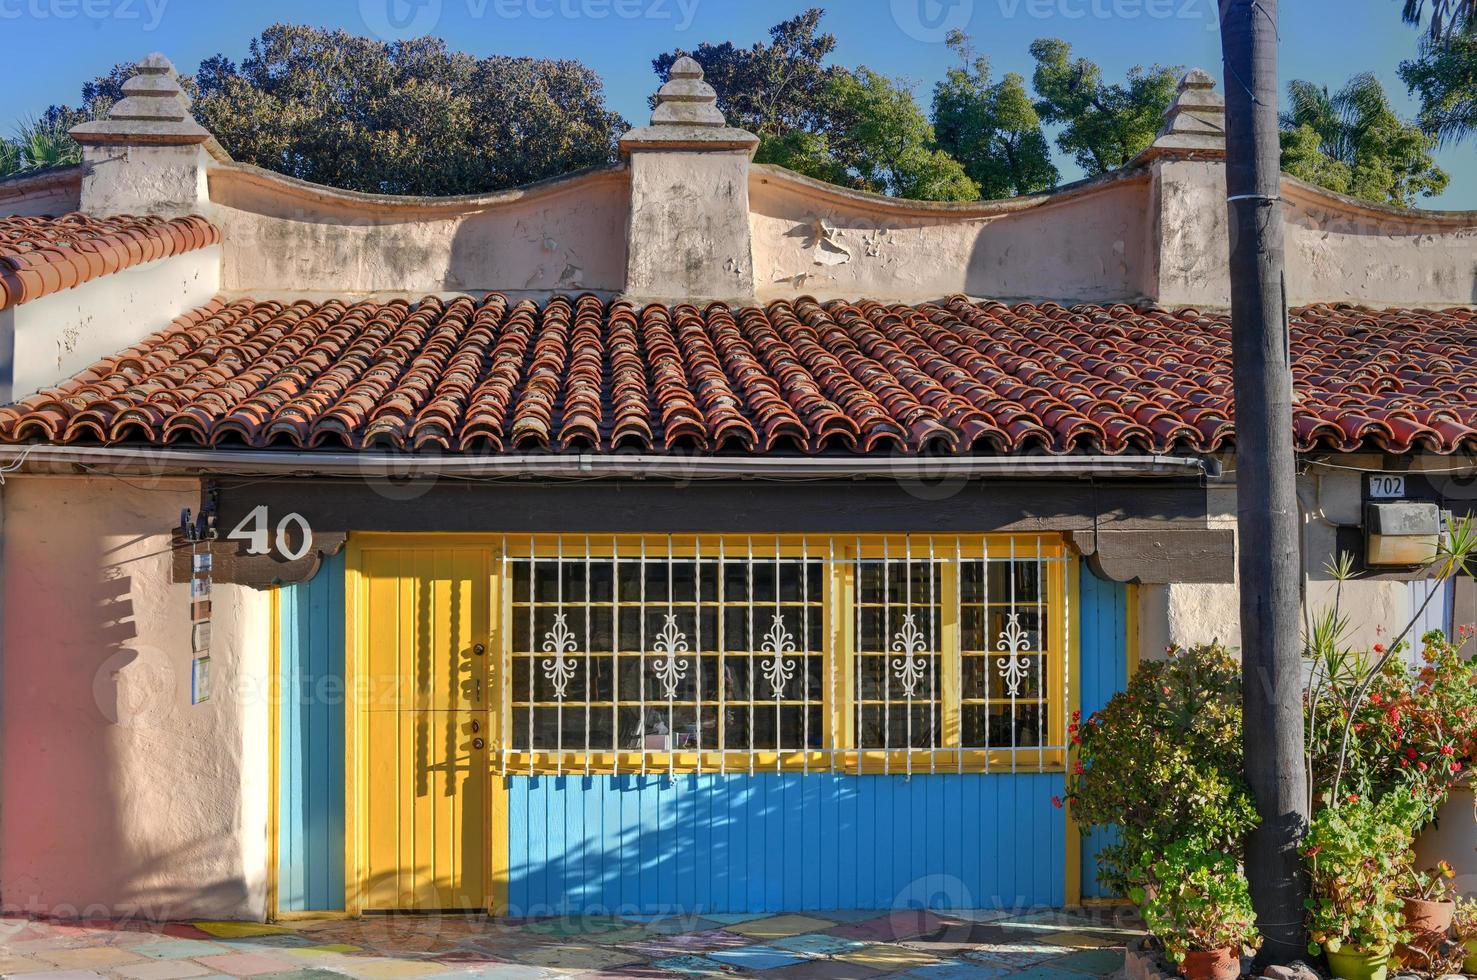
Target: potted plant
{"type": "Point", "coordinates": [1428, 911]}
{"type": "Point", "coordinates": [1197, 905]}
{"type": "Point", "coordinates": [1428, 902]}
{"type": "Point", "coordinates": [1357, 854]}
{"type": "Point", "coordinates": [1464, 931]}
{"type": "Point", "coordinates": [1162, 763]}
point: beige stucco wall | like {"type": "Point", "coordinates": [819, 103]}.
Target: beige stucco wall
{"type": "Point", "coordinates": [1186, 258]}
{"type": "Point", "coordinates": [1339, 251]}
{"type": "Point", "coordinates": [283, 235]}
{"type": "Point", "coordinates": [167, 181]}
{"type": "Point", "coordinates": [688, 233]}
{"type": "Point", "coordinates": [1190, 614]}
{"type": "Point", "coordinates": [54, 337]}
{"type": "Point", "coordinates": [117, 796]}
{"type": "Point", "coordinates": [811, 239]}
{"type": "Point", "coordinates": [1156, 230]}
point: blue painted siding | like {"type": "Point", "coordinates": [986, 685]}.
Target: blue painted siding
{"type": "Point", "coordinates": [1103, 608]}
{"type": "Point", "coordinates": [310, 815]}
{"type": "Point", "coordinates": [773, 842]}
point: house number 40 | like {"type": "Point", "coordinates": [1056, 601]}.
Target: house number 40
{"type": "Point", "coordinates": [255, 530]}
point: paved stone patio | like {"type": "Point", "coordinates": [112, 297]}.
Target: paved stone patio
{"type": "Point", "coordinates": [1032, 945]}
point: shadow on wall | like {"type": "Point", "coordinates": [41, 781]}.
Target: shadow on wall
{"type": "Point", "coordinates": [1083, 244]}
{"type": "Point", "coordinates": [119, 798]}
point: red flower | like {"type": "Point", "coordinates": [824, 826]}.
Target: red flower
{"type": "Point", "coordinates": [1379, 648]}
{"type": "Point", "coordinates": [1056, 801]}
{"type": "Point", "coordinates": [1404, 763]}
{"type": "Point", "coordinates": [1421, 766]}
{"type": "Point", "coordinates": [1446, 750]}
{"type": "Point", "coordinates": [1077, 769]}
{"type": "Point", "coordinates": [1456, 767]}
{"type": "Point", "coordinates": [1410, 753]}
{"type": "Point", "coordinates": [1353, 797]}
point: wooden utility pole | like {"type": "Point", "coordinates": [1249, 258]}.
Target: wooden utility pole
{"type": "Point", "coordinates": [1266, 490]}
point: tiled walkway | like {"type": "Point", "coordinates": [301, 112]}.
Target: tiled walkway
{"type": "Point", "coordinates": [816, 946]}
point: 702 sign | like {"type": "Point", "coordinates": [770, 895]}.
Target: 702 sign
{"type": "Point", "coordinates": [255, 530]}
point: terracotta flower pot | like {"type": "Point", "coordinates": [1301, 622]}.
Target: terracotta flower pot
{"type": "Point", "coordinates": [1425, 916]}
{"type": "Point", "coordinates": [1353, 964]}
{"type": "Point", "coordinates": [1215, 964]}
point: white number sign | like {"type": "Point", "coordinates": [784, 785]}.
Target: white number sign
{"type": "Point", "coordinates": [255, 530]}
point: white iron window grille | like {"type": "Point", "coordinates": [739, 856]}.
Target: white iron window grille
{"type": "Point", "coordinates": [718, 649]}
{"type": "Point", "coordinates": [880, 654]}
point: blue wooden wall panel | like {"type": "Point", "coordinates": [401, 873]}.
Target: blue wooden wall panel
{"type": "Point", "coordinates": [1103, 608]}
{"type": "Point", "coordinates": [310, 798]}
{"type": "Point", "coordinates": [771, 842]}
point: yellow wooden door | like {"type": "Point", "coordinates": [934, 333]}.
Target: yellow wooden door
{"type": "Point", "coordinates": [424, 725]}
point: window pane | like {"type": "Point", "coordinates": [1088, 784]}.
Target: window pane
{"type": "Point", "coordinates": [745, 635]}
{"type": "Point", "coordinates": [897, 660]}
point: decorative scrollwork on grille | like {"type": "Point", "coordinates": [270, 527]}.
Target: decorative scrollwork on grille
{"type": "Point", "coordinates": [669, 670]}
{"type": "Point", "coordinates": [909, 668]}
{"type": "Point", "coordinates": [1014, 665]}
{"type": "Point", "coordinates": [560, 667]}
{"type": "Point", "coordinates": [778, 669]}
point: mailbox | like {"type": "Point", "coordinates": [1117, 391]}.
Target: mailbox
{"type": "Point", "coordinates": [1401, 533]}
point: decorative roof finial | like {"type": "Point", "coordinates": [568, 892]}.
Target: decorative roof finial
{"type": "Point", "coordinates": [686, 100]}
{"type": "Point", "coordinates": [687, 117]}
{"type": "Point", "coordinates": [154, 109]}
{"type": "Point", "coordinates": [1195, 120]}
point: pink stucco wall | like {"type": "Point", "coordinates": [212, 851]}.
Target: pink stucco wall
{"type": "Point", "coordinates": [117, 796]}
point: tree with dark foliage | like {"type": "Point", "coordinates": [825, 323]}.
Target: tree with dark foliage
{"type": "Point", "coordinates": [409, 117]}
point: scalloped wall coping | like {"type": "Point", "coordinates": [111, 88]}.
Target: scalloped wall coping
{"type": "Point", "coordinates": [765, 173]}
{"type": "Point", "coordinates": [230, 176]}
{"type": "Point", "coordinates": [56, 190]}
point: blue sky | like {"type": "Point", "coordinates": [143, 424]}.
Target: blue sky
{"type": "Point", "coordinates": [48, 47]}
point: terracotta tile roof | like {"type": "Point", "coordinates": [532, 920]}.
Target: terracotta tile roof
{"type": "Point", "coordinates": [41, 255]}
{"type": "Point", "coordinates": [581, 374]}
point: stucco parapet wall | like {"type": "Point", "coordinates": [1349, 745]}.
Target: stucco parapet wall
{"type": "Point", "coordinates": [1086, 242]}
{"type": "Point", "coordinates": [566, 234]}
{"type": "Point", "coordinates": [55, 190]}
{"type": "Point", "coordinates": [1342, 249]}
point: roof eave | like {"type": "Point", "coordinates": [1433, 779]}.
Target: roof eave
{"type": "Point", "coordinates": [158, 461]}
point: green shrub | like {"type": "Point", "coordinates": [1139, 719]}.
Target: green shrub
{"type": "Point", "coordinates": [1162, 762]}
